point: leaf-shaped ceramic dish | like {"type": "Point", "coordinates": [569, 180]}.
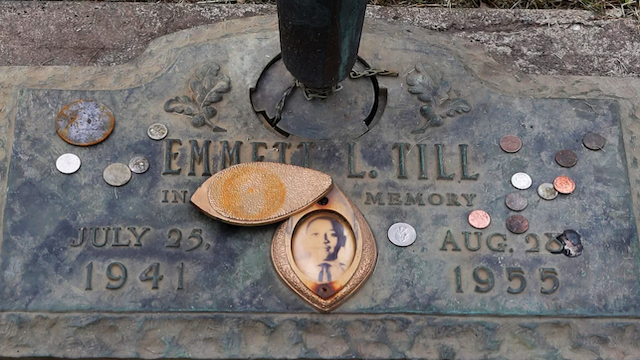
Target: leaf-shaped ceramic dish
{"type": "Point", "coordinates": [260, 193]}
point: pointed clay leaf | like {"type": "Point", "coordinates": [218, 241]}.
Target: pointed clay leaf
{"type": "Point", "coordinates": [212, 97]}
{"type": "Point", "coordinates": [260, 193]}
{"type": "Point", "coordinates": [222, 87]}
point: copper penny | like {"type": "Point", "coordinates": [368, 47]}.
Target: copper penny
{"type": "Point", "coordinates": [84, 123]}
{"type": "Point", "coordinates": [566, 158]}
{"type": "Point", "coordinates": [517, 224]}
{"type": "Point", "coordinates": [516, 202]}
{"type": "Point", "coordinates": [479, 219]}
{"type": "Point", "coordinates": [564, 184]}
{"type": "Point", "coordinates": [510, 143]}
{"type": "Point", "coordinates": [593, 141]}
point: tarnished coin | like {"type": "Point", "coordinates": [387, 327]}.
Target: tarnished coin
{"type": "Point", "coordinates": [547, 191]}
{"type": "Point", "coordinates": [402, 234]}
{"type": "Point", "coordinates": [116, 174]}
{"type": "Point", "coordinates": [594, 141]}
{"type": "Point", "coordinates": [84, 123]}
{"type": "Point", "coordinates": [521, 181]}
{"type": "Point", "coordinates": [139, 164]}
{"type": "Point", "coordinates": [157, 131]}
{"type": "Point", "coordinates": [566, 158]}
{"type": "Point", "coordinates": [564, 185]}
{"type": "Point", "coordinates": [510, 143]}
{"type": "Point", "coordinates": [68, 163]}
{"type": "Point", "coordinates": [517, 224]}
{"type": "Point", "coordinates": [479, 219]}
{"type": "Point", "coordinates": [516, 202]}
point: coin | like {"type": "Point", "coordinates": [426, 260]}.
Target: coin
{"type": "Point", "coordinates": [517, 224]}
{"type": "Point", "coordinates": [521, 181]}
{"type": "Point", "coordinates": [479, 219]}
{"type": "Point", "coordinates": [564, 184]}
{"type": "Point", "coordinates": [84, 123]}
{"type": "Point", "coordinates": [516, 202]}
{"type": "Point", "coordinates": [157, 131]}
{"type": "Point", "coordinates": [68, 163]}
{"type": "Point", "coordinates": [547, 191]}
{"type": "Point", "coordinates": [510, 143]}
{"type": "Point", "coordinates": [402, 234]}
{"type": "Point", "coordinates": [116, 174]}
{"type": "Point", "coordinates": [566, 158]}
{"type": "Point", "coordinates": [594, 141]}
{"type": "Point", "coordinates": [139, 164]}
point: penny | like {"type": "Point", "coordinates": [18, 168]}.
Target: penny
{"type": "Point", "coordinates": [547, 191]}
{"type": "Point", "coordinates": [479, 219]}
{"type": "Point", "coordinates": [139, 165]}
{"type": "Point", "coordinates": [402, 234]}
{"type": "Point", "coordinates": [68, 163]}
{"type": "Point", "coordinates": [157, 131]}
{"type": "Point", "coordinates": [564, 184]}
{"type": "Point", "coordinates": [593, 141]}
{"type": "Point", "coordinates": [84, 123]}
{"type": "Point", "coordinates": [521, 181]}
{"type": "Point", "coordinates": [116, 174]}
{"type": "Point", "coordinates": [510, 143]}
{"type": "Point", "coordinates": [566, 158]}
{"type": "Point", "coordinates": [517, 224]}
{"type": "Point", "coordinates": [516, 202]}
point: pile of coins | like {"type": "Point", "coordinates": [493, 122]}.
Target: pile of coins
{"type": "Point", "coordinates": [517, 202]}
{"type": "Point", "coordinates": [95, 125]}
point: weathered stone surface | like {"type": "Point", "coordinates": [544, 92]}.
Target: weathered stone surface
{"type": "Point", "coordinates": [232, 305]}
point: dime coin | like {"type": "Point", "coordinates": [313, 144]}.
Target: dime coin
{"type": "Point", "coordinates": [516, 202]}
{"type": "Point", "coordinates": [139, 164]}
{"type": "Point", "coordinates": [566, 158]}
{"type": "Point", "coordinates": [84, 123]}
{"type": "Point", "coordinates": [517, 224]}
{"type": "Point", "coordinates": [521, 181]}
{"type": "Point", "coordinates": [402, 234]}
{"type": "Point", "coordinates": [547, 191]}
{"type": "Point", "coordinates": [479, 219]}
{"type": "Point", "coordinates": [510, 143]}
{"type": "Point", "coordinates": [116, 174]}
{"type": "Point", "coordinates": [564, 184]}
{"type": "Point", "coordinates": [594, 141]}
{"type": "Point", "coordinates": [68, 163]}
{"type": "Point", "coordinates": [157, 131]}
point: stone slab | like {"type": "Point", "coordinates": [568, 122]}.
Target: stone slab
{"type": "Point", "coordinates": [408, 307]}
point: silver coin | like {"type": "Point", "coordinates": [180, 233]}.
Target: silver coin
{"type": "Point", "coordinates": [157, 131]}
{"type": "Point", "coordinates": [68, 163]}
{"type": "Point", "coordinates": [402, 234]}
{"type": "Point", "coordinates": [116, 174]}
{"type": "Point", "coordinates": [139, 164]}
{"type": "Point", "coordinates": [547, 191]}
{"type": "Point", "coordinates": [521, 181]}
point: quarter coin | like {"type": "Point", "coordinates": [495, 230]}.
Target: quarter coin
{"type": "Point", "coordinates": [139, 164]}
{"type": "Point", "coordinates": [566, 158]}
{"type": "Point", "coordinates": [516, 202]}
{"type": "Point", "coordinates": [564, 184]}
{"type": "Point", "coordinates": [84, 123]}
{"type": "Point", "coordinates": [517, 224]}
{"type": "Point", "coordinates": [593, 141]}
{"type": "Point", "coordinates": [547, 191]}
{"type": "Point", "coordinates": [116, 174]}
{"type": "Point", "coordinates": [521, 181]}
{"type": "Point", "coordinates": [157, 131]}
{"type": "Point", "coordinates": [479, 219]}
{"type": "Point", "coordinates": [68, 163]}
{"type": "Point", "coordinates": [402, 234]}
{"type": "Point", "coordinates": [510, 143]}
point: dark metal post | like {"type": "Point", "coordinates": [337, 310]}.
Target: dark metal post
{"type": "Point", "coordinates": [319, 39]}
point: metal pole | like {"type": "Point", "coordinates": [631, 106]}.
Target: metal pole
{"type": "Point", "coordinates": [319, 39]}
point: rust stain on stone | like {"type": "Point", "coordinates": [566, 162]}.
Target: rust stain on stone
{"type": "Point", "coordinates": [84, 123]}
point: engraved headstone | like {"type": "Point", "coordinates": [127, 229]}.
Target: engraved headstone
{"type": "Point", "coordinates": [138, 271]}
